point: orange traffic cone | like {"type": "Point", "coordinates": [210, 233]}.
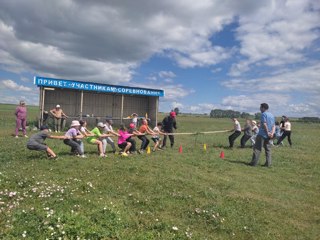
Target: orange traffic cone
{"type": "Point", "coordinates": [222, 155]}
{"type": "Point", "coordinates": [148, 150]}
{"type": "Point", "coordinates": [180, 149]}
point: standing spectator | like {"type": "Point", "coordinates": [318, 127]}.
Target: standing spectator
{"type": "Point", "coordinates": [73, 139]}
{"type": "Point", "coordinates": [21, 118]}
{"type": "Point", "coordinates": [236, 132]}
{"type": "Point", "coordinates": [266, 131]}
{"type": "Point", "coordinates": [255, 131]}
{"type": "Point", "coordinates": [168, 124]}
{"type": "Point", "coordinates": [286, 132]}
{"type": "Point", "coordinates": [108, 129]}
{"type": "Point", "coordinates": [59, 118]}
{"type": "Point", "coordinates": [134, 119]}
{"type": "Point", "coordinates": [36, 141]}
{"type": "Point", "coordinates": [144, 129]}
{"type": "Point", "coordinates": [247, 133]}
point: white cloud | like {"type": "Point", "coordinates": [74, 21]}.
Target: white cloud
{"type": "Point", "coordinates": [166, 74]}
{"type": "Point", "coordinates": [9, 84]}
{"type": "Point", "coordinates": [277, 34]}
{"type": "Point", "coordinates": [304, 79]}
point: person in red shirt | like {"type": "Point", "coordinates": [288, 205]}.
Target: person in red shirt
{"type": "Point", "coordinates": [144, 129]}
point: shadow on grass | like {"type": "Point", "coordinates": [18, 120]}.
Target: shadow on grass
{"type": "Point", "coordinates": [237, 161]}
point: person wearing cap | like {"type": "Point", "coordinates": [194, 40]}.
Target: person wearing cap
{"type": "Point", "coordinates": [247, 133]}
{"type": "Point", "coordinates": [98, 137]}
{"type": "Point", "coordinates": [266, 132]}
{"type": "Point", "coordinates": [59, 117]}
{"type": "Point", "coordinates": [73, 139]}
{"type": "Point", "coordinates": [36, 141]}
{"type": "Point", "coordinates": [109, 130]}
{"type": "Point", "coordinates": [236, 132]}
{"type": "Point", "coordinates": [21, 118]}
{"type": "Point", "coordinates": [255, 130]}
{"type": "Point", "coordinates": [168, 124]}
{"type": "Point", "coordinates": [144, 129]}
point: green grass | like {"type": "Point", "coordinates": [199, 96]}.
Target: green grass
{"type": "Point", "coordinates": [164, 195]}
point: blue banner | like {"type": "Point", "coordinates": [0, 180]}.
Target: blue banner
{"type": "Point", "coordinates": [96, 87]}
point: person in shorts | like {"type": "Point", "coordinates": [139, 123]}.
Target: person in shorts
{"type": "Point", "coordinates": [97, 138]}
{"type": "Point", "coordinates": [156, 138]}
{"type": "Point", "coordinates": [36, 141]}
{"type": "Point", "coordinates": [125, 142]}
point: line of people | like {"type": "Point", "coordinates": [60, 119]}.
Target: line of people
{"type": "Point", "coordinates": [251, 130]}
{"type": "Point", "coordinates": [103, 134]}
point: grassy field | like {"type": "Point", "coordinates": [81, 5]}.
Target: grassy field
{"type": "Point", "coordinates": [164, 195]}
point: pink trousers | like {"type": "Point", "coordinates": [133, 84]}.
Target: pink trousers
{"type": "Point", "coordinates": [21, 123]}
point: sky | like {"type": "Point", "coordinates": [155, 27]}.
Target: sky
{"type": "Point", "coordinates": [205, 54]}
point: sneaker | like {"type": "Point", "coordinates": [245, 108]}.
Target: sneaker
{"type": "Point", "coordinates": [140, 151]}
{"type": "Point", "coordinates": [25, 136]}
{"type": "Point", "coordinates": [16, 136]}
{"type": "Point", "coordinates": [83, 156]}
{"type": "Point", "coordinates": [124, 154]}
{"type": "Point", "coordinates": [102, 155]}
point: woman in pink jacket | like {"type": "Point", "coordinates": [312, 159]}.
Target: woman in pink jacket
{"type": "Point", "coordinates": [21, 118]}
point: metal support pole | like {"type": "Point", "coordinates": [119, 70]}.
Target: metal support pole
{"type": "Point", "coordinates": [81, 104]}
{"type": "Point", "coordinates": [40, 120]}
{"type": "Point", "coordinates": [157, 110]}
{"type": "Point", "coordinates": [121, 113]}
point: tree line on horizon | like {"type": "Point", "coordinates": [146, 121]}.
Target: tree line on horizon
{"type": "Point", "coordinates": [220, 113]}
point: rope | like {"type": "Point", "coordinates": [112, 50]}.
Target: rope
{"type": "Point", "coordinates": [196, 133]}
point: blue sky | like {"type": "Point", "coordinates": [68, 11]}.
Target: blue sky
{"type": "Point", "coordinates": [204, 54]}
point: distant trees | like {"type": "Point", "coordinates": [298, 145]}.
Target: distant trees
{"type": "Point", "coordinates": [219, 113]}
{"type": "Point", "coordinates": [310, 119]}
{"type": "Point", "coordinates": [257, 115]}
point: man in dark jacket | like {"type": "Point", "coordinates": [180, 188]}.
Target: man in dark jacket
{"type": "Point", "coordinates": [168, 123]}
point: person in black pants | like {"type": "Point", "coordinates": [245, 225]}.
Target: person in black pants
{"type": "Point", "coordinates": [168, 124]}
{"type": "Point", "coordinates": [286, 132]}
{"type": "Point", "coordinates": [247, 133]}
{"type": "Point", "coordinates": [236, 134]}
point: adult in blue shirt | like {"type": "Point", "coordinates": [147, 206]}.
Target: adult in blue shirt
{"type": "Point", "coordinates": [266, 131]}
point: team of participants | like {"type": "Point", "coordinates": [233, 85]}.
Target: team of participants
{"type": "Point", "coordinates": [261, 134]}
{"type": "Point", "coordinates": [104, 134]}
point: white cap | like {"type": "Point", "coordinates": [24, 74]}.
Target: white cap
{"type": "Point", "coordinates": [58, 106]}
{"type": "Point", "coordinates": [75, 123]}
{"type": "Point", "coordinates": [100, 124]}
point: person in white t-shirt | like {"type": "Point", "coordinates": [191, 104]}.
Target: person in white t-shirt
{"type": "Point", "coordinates": [255, 131]}
{"type": "Point", "coordinates": [156, 138]}
{"type": "Point", "coordinates": [108, 129]}
{"type": "Point", "coordinates": [286, 132]}
{"type": "Point", "coordinates": [236, 132]}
